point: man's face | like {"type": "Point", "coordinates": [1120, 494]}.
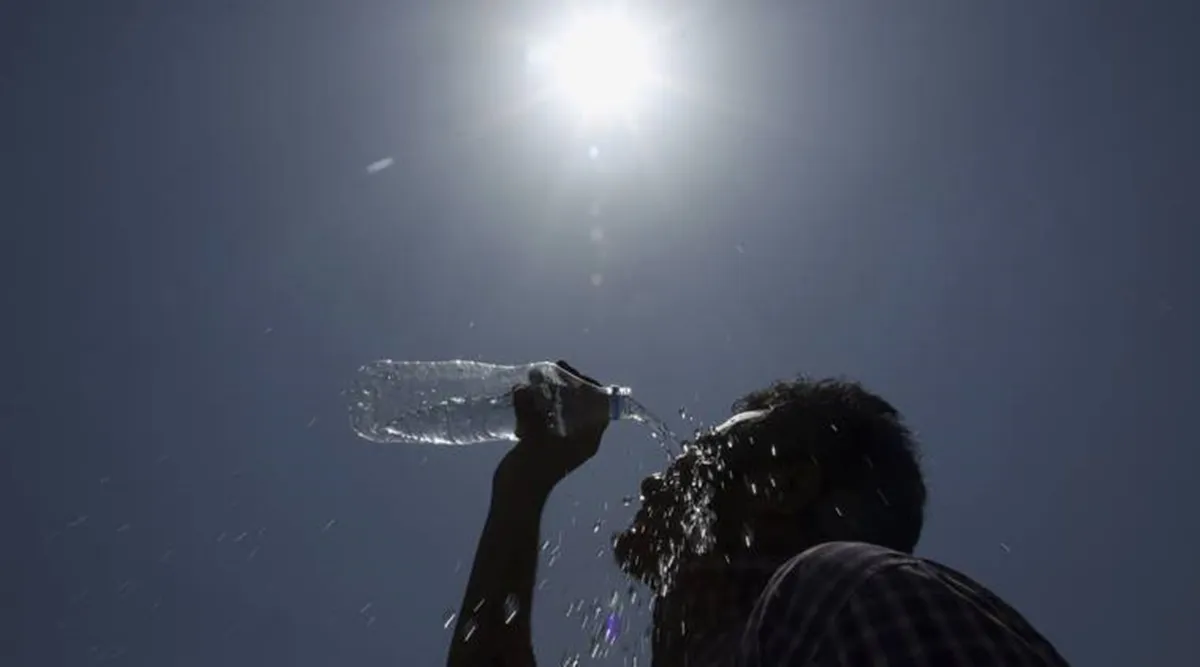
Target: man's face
{"type": "Point", "coordinates": [675, 522]}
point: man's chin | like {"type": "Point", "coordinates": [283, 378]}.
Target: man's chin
{"type": "Point", "coordinates": [638, 555]}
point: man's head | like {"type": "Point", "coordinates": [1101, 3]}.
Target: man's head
{"type": "Point", "coordinates": [800, 463]}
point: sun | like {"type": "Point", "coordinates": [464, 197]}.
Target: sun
{"type": "Point", "coordinates": [600, 67]}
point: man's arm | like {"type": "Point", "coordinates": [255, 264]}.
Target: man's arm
{"type": "Point", "coordinates": [493, 626]}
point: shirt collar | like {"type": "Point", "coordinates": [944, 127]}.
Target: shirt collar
{"type": "Point", "coordinates": [702, 618]}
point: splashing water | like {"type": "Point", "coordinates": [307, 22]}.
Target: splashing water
{"type": "Point", "coordinates": [607, 621]}
{"type": "Point", "coordinates": [469, 629]}
{"type": "Point", "coordinates": [699, 519]}
{"type": "Point", "coordinates": [511, 607]}
{"type": "Point", "coordinates": [612, 627]}
{"type": "Point", "coordinates": [658, 428]}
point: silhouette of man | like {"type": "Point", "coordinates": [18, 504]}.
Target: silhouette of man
{"type": "Point", "coordinates": [815, 501]}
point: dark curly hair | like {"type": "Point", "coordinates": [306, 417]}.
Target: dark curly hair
{"type": "Point", "coordinates": [867, 457]}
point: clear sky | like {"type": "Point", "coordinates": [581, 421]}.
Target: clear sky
{"type": "Point", "coordinates": [985, 211]}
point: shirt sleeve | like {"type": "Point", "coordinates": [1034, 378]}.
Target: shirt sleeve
{"type": "Point", "coordinates": [854, 605]}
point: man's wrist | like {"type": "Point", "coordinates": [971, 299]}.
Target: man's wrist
{"type": "Point", "coordinates": [518, 478]}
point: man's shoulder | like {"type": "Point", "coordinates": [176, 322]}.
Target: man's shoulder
{"type": "Point", "coordinates": [831, 565]}
{"type": "Point", "coordinates": [810, 588]}
{"type": "Point", "coordinates": [847, 556]}
{"type": "Point", "coordinates": [818, 582]}
{"type": "Point", "coordinates": [837, 569]}
{"type": "Point", "coordinates": [834, 595]}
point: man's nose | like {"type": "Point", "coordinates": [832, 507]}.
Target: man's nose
{"type": "Point", "coordinates": [652, 486]}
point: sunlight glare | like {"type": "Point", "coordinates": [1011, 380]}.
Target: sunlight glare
{"type": "Point", "coordinates": [601, 66]}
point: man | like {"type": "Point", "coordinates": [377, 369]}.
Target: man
{"type": "Point", "coordinates": [811, 501]}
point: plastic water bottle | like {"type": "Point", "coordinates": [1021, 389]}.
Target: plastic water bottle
{"type": "Point", "coordinates": [459, 402]}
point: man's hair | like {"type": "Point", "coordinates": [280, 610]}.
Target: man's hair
{"type": "Point", "coordinates": [863, 449]}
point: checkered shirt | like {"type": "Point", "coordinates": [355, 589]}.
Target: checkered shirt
{"type": "Point", "coordinates": [847, 604]}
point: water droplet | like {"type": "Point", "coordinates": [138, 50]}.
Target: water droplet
{"type": "Point", "coordinates": [511, 606]}
{"type": "Point", "coordinates": [748, 536]}
{"type": "Point", "coordinates": [597, 526]}
{"type": "Point", "coordinates": [448, 618]}
{"type": "Point", "coordinates": [1007, 549]}
{"type": "Point", "coordinates": [833, 427]}
{"type": "Point", "coordinates": [839, 511]}
{"type": "Point", "coordinates": [612, 628]}
{"type": "Point", "coordinates": [469, 628]}
{"type": "Point", "coordinates": [379, 165]}
{"type": "Point", "coordinates": [883, 498]}
{"type": "Point", "coordinates": [545, 545]}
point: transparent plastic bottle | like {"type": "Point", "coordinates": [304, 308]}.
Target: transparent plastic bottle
{"type": "Point", "coordinates": [458, 402]}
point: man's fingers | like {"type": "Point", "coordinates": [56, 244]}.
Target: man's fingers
{"type": "Point", "coordinates": [571, 369]}
{"type": "Point", "coordinates": [530, 411]}
{"type": "Point", "coordinates": [522, 398]}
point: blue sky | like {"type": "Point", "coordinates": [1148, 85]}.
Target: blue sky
{"type": "Point", "coordinates": [983, 212]}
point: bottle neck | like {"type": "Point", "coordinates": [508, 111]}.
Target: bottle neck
{"type": "Point", "coordinates": [619, 406]}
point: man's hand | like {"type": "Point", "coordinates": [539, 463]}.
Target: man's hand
{"type": "Point", "coordinates": [543, 455]}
